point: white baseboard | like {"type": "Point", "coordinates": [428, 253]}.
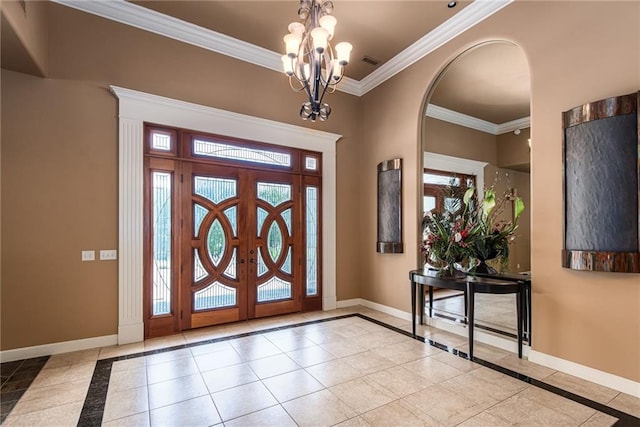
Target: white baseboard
{"type": "Point", "coordinates": [130, 333]}
{"type": "Point", "coordinates": [375, 306]}
{"type": "Point", "coordinates": [349, 302]}
{"type": "Point", "coordinates": [57, 348]}
{"type": "Point", "coordinates": [479, 335]}
{"type": "Point", "coordinates": [585, 372]}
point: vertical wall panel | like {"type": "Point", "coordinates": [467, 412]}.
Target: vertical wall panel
{"type": "Point", "coordinates": [130, 232]}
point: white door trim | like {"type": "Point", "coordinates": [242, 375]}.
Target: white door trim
{"type": "Point", "coordinates": [136, 108]}
{"type": "Point", "coordinates": [456, 164]}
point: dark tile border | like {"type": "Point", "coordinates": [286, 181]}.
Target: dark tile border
{"type": "Point", "coordinates": [94, 403]}
{"type": "Point", "coordinates": [450, 316]}
{"type": "Point", "coordinates": [17, 376]}
{"type": "Point", "coordinates": [624, 419]}
{"type": "Point", "coordinates": [93, 408]}
{"type": "Point", "coordinates": [461, 294]}
{"type": "Point", "coordinates": [479, 326]}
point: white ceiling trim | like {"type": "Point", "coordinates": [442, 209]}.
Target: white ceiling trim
{"type": "Point", "coordinates": [471, 15]}
{"type": "Point", "coordinates": [516, 124]}
{"type": "Point", "coordinates": [168, 26]}
{"type": "Point", "coordinates": [454, 117]}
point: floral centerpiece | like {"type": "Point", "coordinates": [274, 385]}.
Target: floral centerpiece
{"type": "Point", "coordinates": [492, 233]}
{"type": "Point", "coordinates": [471, 235]}
{"type": "Point", "coordinates": [448, 240]}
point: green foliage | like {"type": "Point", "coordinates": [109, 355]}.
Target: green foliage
{"type": "Point", "coordinates": [476, 233]}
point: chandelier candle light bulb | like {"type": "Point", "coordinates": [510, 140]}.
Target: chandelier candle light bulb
{"type": "Point", "coordinates": [310, 61]}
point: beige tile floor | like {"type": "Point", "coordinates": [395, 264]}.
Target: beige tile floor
{"type": "Point", "coordinates": [347, 372]}
{"type": "Point", "coordinates": [494, 311]}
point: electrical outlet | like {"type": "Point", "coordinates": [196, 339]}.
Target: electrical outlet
{"type": "Point", "coordinates": [108, 254]}
{"type": "Point", "coordinates": [88, 255]}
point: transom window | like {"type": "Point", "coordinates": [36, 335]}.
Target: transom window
{"type": "Point", "coordinates": [245, 154]}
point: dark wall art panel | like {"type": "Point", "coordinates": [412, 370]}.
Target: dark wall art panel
{"type": "Point", "coordinates": [601, 201]}
{"type": "Point", "coordinates": [389, 206]}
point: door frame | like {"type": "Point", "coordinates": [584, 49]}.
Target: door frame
{"type": "Point", "coordinates": [134, 109]}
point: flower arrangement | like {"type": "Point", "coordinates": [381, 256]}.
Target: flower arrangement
{"type": "Point", "coordinates": [473, 234]}
{"type": "Point", "coordinates": [492, 233]}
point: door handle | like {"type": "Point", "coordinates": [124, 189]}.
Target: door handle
{"type": "Point", "coordinates": [241, 261]}
{"type": "Point", "coordinates": [252, 261]}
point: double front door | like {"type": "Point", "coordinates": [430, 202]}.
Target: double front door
{"type": "Point", "coordinates": [225, 244]}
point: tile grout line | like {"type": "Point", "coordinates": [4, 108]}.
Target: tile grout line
{"type": "Point", "coordinates": [624, 419]}
{"type": "Point", "coordinates": [36, 364]}
{"type": "Point", "coordinates": [94, 404]}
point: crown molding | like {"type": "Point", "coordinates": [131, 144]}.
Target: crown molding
{"type": "Point", "coordinates": [456, 118]}
{"type": "Point", "coordinates": [149, 20]}
{"type": "Point", "coordinates": [471, 15]}
{"type": "Point", "coordinates": [155, 22]}
{"type": "Point", "coordinates": [516, 124]}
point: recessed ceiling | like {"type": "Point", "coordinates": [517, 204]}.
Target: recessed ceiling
{"type": "Point", "coordinates": [490, 82]}
{"type": "Point", "coordinates": [395, 33]}
{"type": "Point", "coordinates": [377, 29]}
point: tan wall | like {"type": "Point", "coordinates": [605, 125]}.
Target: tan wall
{"type": "Point", "coordinates": [513, 150]}
{"type": "Point", "coordinates": [520, 255]}
{"type": "Point", "coordinates": [503, 181]}
{"type": "Point", "coordinates": [26, 29]}
{"type": "Point", "coordinates": [59, 166]}
{"type": "Point", "coordinates": [587, 318]}
{"type": "Point", "coordinates": [458, 141]}
{"type": "Point", "coordinates": [59, 194]}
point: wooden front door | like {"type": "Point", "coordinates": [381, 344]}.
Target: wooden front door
{"type": "Point", "coordinates": [232, 230]}
{"type": "Point", "coordinates": [242, 247]}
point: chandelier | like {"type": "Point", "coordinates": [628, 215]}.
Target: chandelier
{"type": "Point", "coordinates": [310, 62]}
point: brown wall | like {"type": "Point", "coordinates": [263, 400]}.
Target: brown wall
{"type": "Point", "coordinates": [59, 196]}
{"type": "Point", "coordinates": [458, 141]}
{"type": "Point", "coordinates": [587, 318]}
{"type": "Point", "coordinates": [27, 28]}
{"type": "Point", "coordinates": [59, 165]}
{"type": "Point", "coordinates": [513, 150]}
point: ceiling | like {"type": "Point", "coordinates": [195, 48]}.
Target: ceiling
{"type": "Point", "coordinates": [487, 84]}
{"type": "Point", "coordinates": [377, 29]}
{"type": "Point", "coordinates": [490, 82]}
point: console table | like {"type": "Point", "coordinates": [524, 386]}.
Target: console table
{"type": "Point", "coordinates": [470, 285]}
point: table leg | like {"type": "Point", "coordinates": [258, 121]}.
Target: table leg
{"type": "Point", "coordinates": [527, 287]}
{"type": "Point", "coordinates": [413, 307]}
{"type": "Point", "coordinates": [466, 305]}
{"type": "Point", "coordinates": [470, 320]}
{"type": "Point", "coordinates": [430, 301]}
{"type": "Point", "coordinates": [421, 301]}
{"type": "Point", "coordinates": [520, 317]}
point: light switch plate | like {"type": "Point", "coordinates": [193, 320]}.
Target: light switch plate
{"type": "Point", "coordinates": [108, 254]}
{"type": "Point", "coordinates": [88, 255]}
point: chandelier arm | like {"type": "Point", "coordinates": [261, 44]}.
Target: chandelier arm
{"type": "Point", "coordinates": [324, 88]}
{"type": "Point", "coordinates": [295, 89]}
